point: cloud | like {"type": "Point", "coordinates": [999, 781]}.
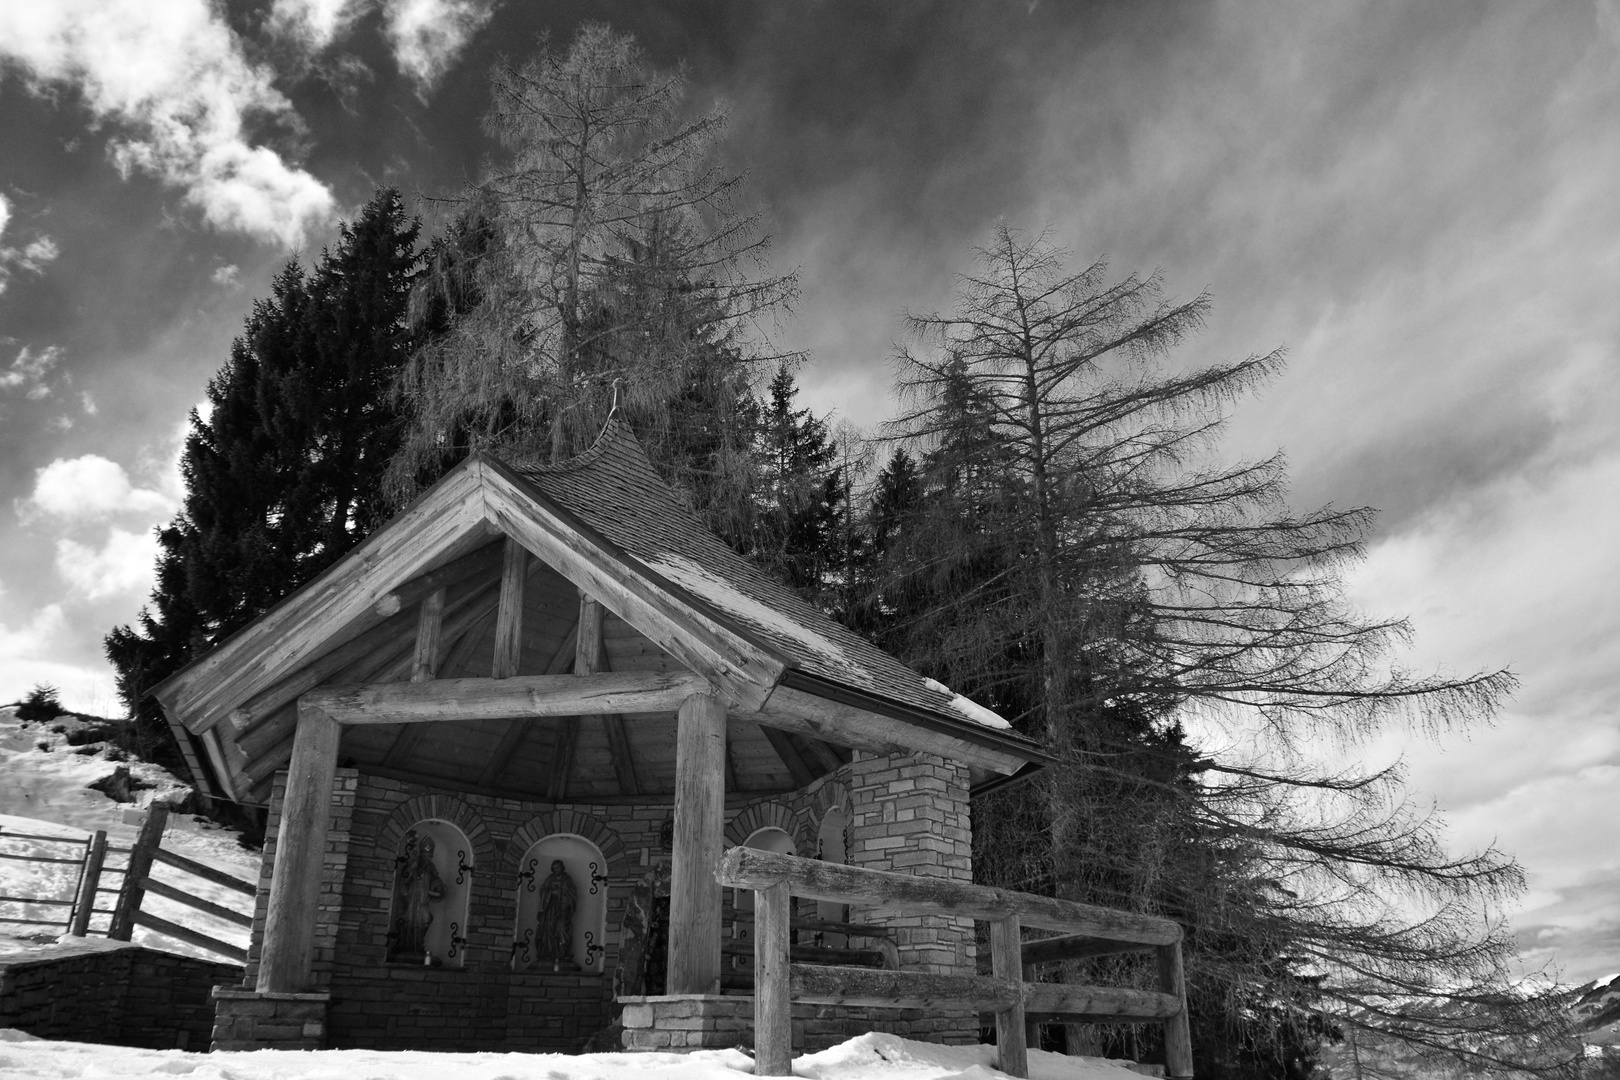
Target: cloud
{"type": "Point", "coordinates": [173, 76]}
{"type": "Point", "coordinates": [29, 370]}
{"type": "Point", "coordinates": [428, 35]}
{"type": "Point", "coordinates": [90, 488]}
{"type": "Point", "coordinates": [227, 276]}
{"type": "Point", "coordinates": [32, 258]}
{"type": "Point", "coordinates": [315, 24]}
{"type": "Point", "coordinates": [124, 564]}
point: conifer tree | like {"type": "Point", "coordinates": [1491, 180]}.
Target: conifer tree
{"type": "Point", "coordinates": [285, 472]}
{"type": "Point", "coordinates": [601, 264]}
{"type": "Point", "coordinates": [1071, 558]}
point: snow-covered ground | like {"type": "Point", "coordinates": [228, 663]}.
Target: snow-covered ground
{"type": "Point", "coordinates": [866, 1057]}
{"type": "Point", "coordinates": [44, 790]}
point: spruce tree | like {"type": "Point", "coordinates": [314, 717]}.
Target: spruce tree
{"type": "Point", "coordinates": [285, 472]}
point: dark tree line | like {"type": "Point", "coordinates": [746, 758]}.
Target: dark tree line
{"type": "Point", "coordinates": [1050, 532]}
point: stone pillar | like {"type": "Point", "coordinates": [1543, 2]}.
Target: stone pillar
{"type": "Point", "coordinates": [700, 809]}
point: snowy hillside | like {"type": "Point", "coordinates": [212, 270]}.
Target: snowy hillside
{"type": "Point", "coordinates": [44, 790]}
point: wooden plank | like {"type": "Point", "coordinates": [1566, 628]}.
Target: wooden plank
{"type": "Point", "coordinates": [803, 775]}
{"type": "Point", "coordinates": [1178, 1059]}
{"type": "Point", "coordinates": [207, 873]}
{"type": "Point", "coordinates": [485, 562]}
{"type": "Point", "coordinates": [773, 1000]}
{"type": "Point", "coordinates": [447, 521]}
{"type": "Point", "coordinates": [750, 868]}
{"type": "Point", "coordinates": [191, 937]}
{"type": "Point", "coordinates": [562, 758]}
{"type": "Point", "coordinates": [135, 872]}
{"type": "Point", "coordinates": [1006, 965]}
{"type": "Point", "coordinates": [821, 985]}
{"type": "Point", "coordinates": [823, 755]}
{"type": "Point", "coordinates": [509, 614]}
{"type": "Point", "coordinates": [405, 743]}
{"type": "Point", "coordinates": [1075, 947]}
{"type": "Point", "coordinates": [295, 880]}
{"type": "Point", "coordinates": [424, 665]}
{"type": "Point", "coordinates": [95, 854]}
{"type": "Point", "coordinates": [746, 671]}
{"type": "Point", "coordinates": [596, 659]}
{"type": "Point", "coordinates": [462, 646]}
{"type": "Point", "coordinates": [513, 698]}
{"type": "Point", "coordinates": [1068, 1000]}
{"type": "Point", "coordinates": [207, 907]}
{"type": "Point", "coordinates": [694, 895]}
{"type": "Point", "coordinates": [518, 730]}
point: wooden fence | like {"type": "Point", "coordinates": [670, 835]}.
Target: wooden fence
{"type": "Point", "coordinates": [90, 857]}
{"type": "Point", "coordinates": [1084, 930]}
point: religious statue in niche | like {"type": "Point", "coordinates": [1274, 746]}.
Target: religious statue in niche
{"type": "Point", "coordinates": [554, 930]}
{"type": "Point", "coordinates": [419, 888]}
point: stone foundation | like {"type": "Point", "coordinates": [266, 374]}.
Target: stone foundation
{"type": "Point", "coordinates": [681, 1022]}
{"type": "Point", "coordinates": [249, 1020]}
{"type": "Point", "coordinates": [93, 990]}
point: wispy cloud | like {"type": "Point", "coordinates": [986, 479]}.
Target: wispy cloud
{"type": "Point", "coordinates": [174, 80]}
{"type": "Point", "coordinates": [29, 371]}
{"type": "Point", "coordinates": [33, 257]}
{"type": "Point", "coordinates": [123, 564]}
{"type": "Point", "coordinates": [426, 37]}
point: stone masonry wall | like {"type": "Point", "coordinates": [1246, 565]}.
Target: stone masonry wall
{"type": "Point", "coordinates": [125, 995]}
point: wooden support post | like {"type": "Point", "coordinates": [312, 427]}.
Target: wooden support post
{"type": "Point", "coordinates": [773, 1000]}
{"type": "Point", "coordinates": [509, 616]}
{"type": "Point", "coordinates": [1178, 1059]}
{"type": "Point", "coordinates": [95, 853]}
{"type": "Point", "coordinates": [428, 625]}
{"type": "Point", "coordinates": [140, 864]}
{"type": "Point", "coordinates": [295, 878]}
{"type": "Point", "coordinates": [1007, 962]}
{"type": "Point", "coordinates": [700, 805]}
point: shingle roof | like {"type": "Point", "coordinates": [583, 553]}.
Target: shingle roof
{"type": "Point", "coordinates": [613, 489]}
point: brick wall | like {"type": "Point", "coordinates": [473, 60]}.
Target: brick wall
{"type": "Point", "coordinates": [126, 995]}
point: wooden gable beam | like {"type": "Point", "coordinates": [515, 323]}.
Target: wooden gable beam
{"type": "Point", "coordinates": [593, 658]}
{"type": "Point", "coordinates": [797, 767]}
{"type": "Point", "coordinates": [743, 670]}
{"type": "Point", "coordinates": [448, 520]}
{"type": "Point", "coordinates": [509, 615]}
{"type": "Point", "coordinates": [424, 665]}
{"type": "Point", "coordinates": [520, 697]}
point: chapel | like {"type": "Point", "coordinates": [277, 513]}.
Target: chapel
{"type": "Point", "coordinates": [503, 743]}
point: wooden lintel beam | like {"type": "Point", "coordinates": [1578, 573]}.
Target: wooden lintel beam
{"type": "Point", "coordinates": [509, 616]}
{"type": "Point", "coordinates": [518, 697]}
{"type": "Point", "coordinates": [797, 767]}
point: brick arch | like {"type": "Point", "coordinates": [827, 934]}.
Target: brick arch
{"type": "Point", "coordinates": [444, 808]}
{"type": "Point", "coordinates": [553, 822]}
{"type": "Point", "coordinates": [769, 815]}
{"type": "Point", "coordinates": [831, 793]}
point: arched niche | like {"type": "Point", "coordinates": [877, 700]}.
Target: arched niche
{"type": "Point", "coordinates": [832, 847]}
{"type": "Point", "coordinates": [427, 918]}
{"type": "Point", "coordinates": [543, 899]}
{"type": "Point", "coordinates": [769, 838]}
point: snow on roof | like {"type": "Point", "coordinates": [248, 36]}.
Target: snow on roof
{"type": "Point", "coordinates": [968, 707]}
{"type": "Point", "coordinates": [722, 594]}
{"type": "Point", "coordinates": [865, 1057]}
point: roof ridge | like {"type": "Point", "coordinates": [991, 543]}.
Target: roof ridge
{"type": "Point", "coordinates": [614, 432]}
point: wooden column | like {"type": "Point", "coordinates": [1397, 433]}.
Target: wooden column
{"type": "Point", "coordinates": [1178, 1060]}
{"type": "Point", "coordinates": [773, 999]}
{"type": "Point", "coordinates": [509, 616]}
{"type": "Point", "coordinates": [84, 904]}
{"type": "Point", "coordinates": [133, 890]}
{"type": "Point", "coordinates": [700, 805]}
{"type": "Point", "coordinates": [428, 625]}
{"type": "Point", "coordinates": [295, 878]}
{"type": "Point", "coordinates": [1007, 962]}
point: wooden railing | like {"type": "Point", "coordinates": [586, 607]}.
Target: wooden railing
{"type": "Point", "coordinates": [1086, 930]}
{"type": "Point", "coordinates": [85, 855]}
{"type": "Point", "coordinates": [138, 881]}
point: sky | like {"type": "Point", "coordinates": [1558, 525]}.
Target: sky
{"type": "Point", "coordinates": [1418, 201]}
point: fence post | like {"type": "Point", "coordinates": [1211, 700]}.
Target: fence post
{"type": "Point", "coordinates": [773, 999]}
{"type": "Point", "coordinates": [95, 853]}
{"type": "Point", "coordinates": [140, 864]}
{"type": "Point", "coordinates": [1007, 962]}
{"type": "Point", "coordinates": [1178, 1060]}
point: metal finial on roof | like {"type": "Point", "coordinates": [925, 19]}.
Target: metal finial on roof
{"type": "Point", "coordinates": [612, 409]}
